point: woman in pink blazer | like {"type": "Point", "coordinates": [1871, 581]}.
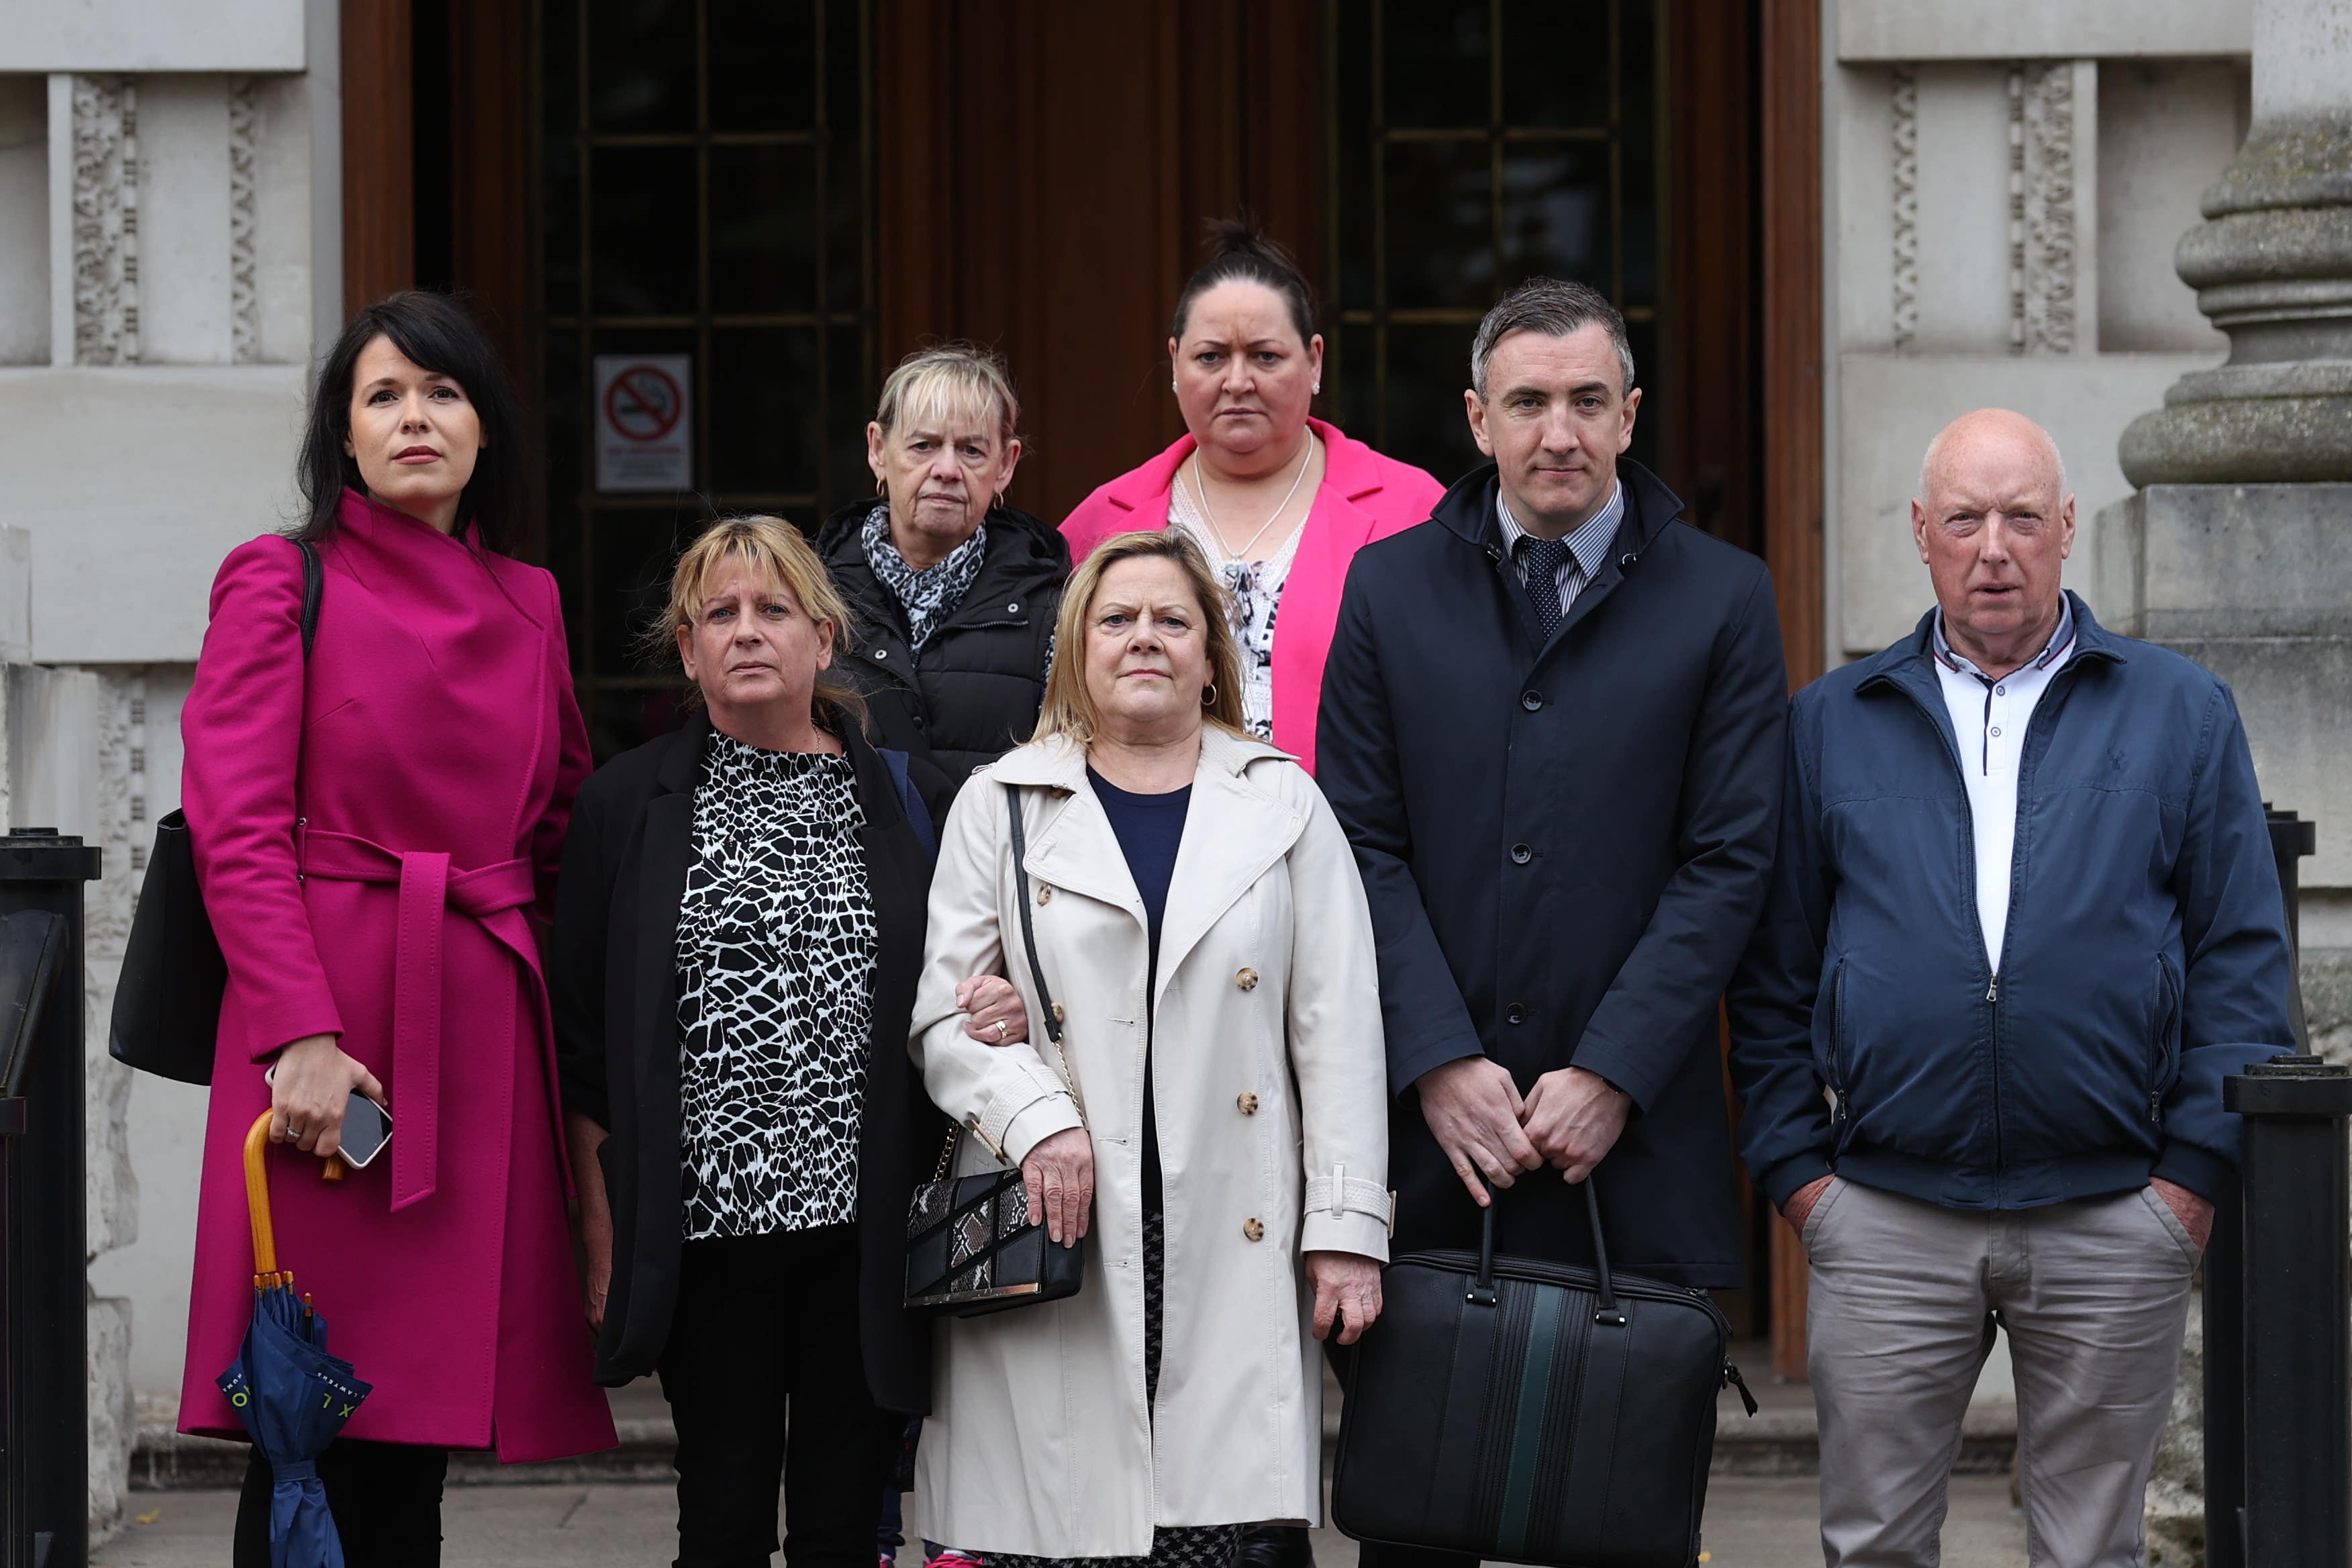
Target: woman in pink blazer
{"type": "Point", "coordinates": [1278, 502]}
{"type": "Point", "coordinates": [373, 834]}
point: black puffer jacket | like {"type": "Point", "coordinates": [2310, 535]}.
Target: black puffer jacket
{"type": "Point", "coordinates": [975, 693]}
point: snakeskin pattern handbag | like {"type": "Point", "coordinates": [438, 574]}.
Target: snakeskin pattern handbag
{"type": "Point", "coordinates": [971, 1246]}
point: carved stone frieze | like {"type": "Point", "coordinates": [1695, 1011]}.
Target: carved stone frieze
{"type": "Point", "coordinates": [1906, 165]}
{"type": "Point", "coordinates": [121, 809]}
{"type": "Point", "coordinates": [106, 219]}
{"type": "Point", "coordinates": [2016, 209]}
{"type": "Point", "coordinates": [2047, 192]}
{"type": "Point", "coordinates": [245, 302]}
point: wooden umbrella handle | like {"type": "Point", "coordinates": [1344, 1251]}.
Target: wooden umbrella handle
{"type": "Point", "coordinates": [257, 1203]}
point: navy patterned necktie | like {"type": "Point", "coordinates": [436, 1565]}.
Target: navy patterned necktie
{"type": "Point", "coordinates": [1539, 563]}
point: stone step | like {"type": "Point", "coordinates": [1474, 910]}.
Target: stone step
{"type": "Point", "coordinates": [1780, 1440]}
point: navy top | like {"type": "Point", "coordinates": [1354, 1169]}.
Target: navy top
{"type": "Point", "coordinates": [1149, 828]}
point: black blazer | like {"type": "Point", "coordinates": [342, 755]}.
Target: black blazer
{"type": "Point", "coordinates": [613, 982]}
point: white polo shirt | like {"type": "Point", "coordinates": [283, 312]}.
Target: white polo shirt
{"type": "Point", "coordinates": [1989, 720]}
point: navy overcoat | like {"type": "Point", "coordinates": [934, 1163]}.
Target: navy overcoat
{"type": "Point", "coordinates": [1566, 845]}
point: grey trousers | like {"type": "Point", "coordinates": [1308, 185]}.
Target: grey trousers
{"type": "Point", "coordinates": [2092, 1296]}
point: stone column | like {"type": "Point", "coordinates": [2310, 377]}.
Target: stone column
{"type": "Point", "coordinates": [2237, 549]}
{"type": "Point", "coordinates": [2272, 267]}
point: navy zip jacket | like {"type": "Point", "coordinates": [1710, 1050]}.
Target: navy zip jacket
{"type": "Point", "coordinates": [2145, 959]}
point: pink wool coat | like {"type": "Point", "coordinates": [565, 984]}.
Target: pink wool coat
{"type": "Point", "coordinates": [371, 842]}
{"type": "Point", "coordinates": [1364, 497]}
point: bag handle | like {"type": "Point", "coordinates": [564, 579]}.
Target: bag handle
{"type": "Point", "coordinates": [314, 590]}
{"type": "Point", "coordinates": [1481, 1292]}
{"type": "Point", "coordinates": [1052, 1010]}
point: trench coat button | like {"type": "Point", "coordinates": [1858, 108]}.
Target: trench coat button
{"type": "Point", "coordinates": [1246, 1103]}
{"type": "Point", "coordinates": [1252, 1229]}
{"type": "Point", "coordinates": [1514, 1013]}
{"type": "Point", "coordinates": [1246, 979]}
{"type": "Point", "coordinates": [1521, 853]}
{"type": "Point", "coordinates": [1530, 700]}
{"type": "Point", "coordinates": [1044, 895]}
{"type": "Point", "coordinates": [881, 653]}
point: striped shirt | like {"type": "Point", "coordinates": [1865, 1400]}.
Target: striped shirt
{"type": "Point", "coordinates": [1588, 547]}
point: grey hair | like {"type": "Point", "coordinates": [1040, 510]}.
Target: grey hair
{"type": "Point", "coordinates": [1554, 307]}
{"type": "Point", "coordinates": [955, 376]}
{"type": "Point", "coordinates": [1927, 460]}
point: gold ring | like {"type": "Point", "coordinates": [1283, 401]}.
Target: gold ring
{"type": "Point", "coordinates": [1002, 1034]}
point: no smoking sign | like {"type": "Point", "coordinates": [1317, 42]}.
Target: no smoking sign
{"type": "Point", "coordinates": [644, 427]}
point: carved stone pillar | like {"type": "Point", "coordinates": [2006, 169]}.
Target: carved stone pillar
{"type": "Point", "coordinates": [2272, 267]}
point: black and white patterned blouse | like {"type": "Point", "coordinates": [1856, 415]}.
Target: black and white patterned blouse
{"type": "Point", "coordinates": [1256, 590]}
{"type": "Point", "coordinates": [776, 940]}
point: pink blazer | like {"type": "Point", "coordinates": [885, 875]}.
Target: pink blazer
{"type": "Point", "coordinates": [372, 833]}
{"type": "Point", "coordinates": [1364, 497]}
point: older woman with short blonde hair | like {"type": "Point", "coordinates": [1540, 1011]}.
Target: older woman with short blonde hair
{"type": "Point", "coordinates": [1221, 1140]}
{"type": "Point", "coordinates": [953, 591]}
{"type": "Point", "coordinates": [738, 927]}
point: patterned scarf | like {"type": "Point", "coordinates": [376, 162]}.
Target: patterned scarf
{"type": "Point", "coordinates": [928, 596]}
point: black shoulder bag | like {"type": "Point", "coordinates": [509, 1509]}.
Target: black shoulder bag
{"type": "Point", "coordinates": [167, 1006]}
{"type": "Point", "coordinates": [1527, 1412]}
{"type": "Point", "coordinates": [971, 1247]}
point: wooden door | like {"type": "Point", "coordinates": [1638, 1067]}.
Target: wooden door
{"type": "Point", "coordinates": [1043, 173]}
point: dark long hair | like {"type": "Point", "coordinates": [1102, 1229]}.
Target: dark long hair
{"type": "Point", "coordinates": [1239, 249]}
{"type": "Point", "coordinates": [437, 335]}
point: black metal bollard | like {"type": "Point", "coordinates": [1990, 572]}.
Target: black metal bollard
{"type": "Point", "coordinates": [46, 1244]}
{"type": "Point", "coordinates": [2224, 1269]}
{"type": "Point", "coordinates": [2297, 1168]}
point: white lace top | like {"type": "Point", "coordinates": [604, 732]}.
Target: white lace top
{"type": "Point", "coordinates": [1256, 590]}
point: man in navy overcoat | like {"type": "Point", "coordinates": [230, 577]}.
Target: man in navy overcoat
{"type": "Point", "coordinates": [1552, 724]}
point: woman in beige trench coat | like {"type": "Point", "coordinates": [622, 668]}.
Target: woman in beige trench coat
{"type": "Point", "coordinates": [1252, 1003]}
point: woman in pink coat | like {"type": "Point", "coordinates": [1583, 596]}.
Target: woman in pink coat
{"type": "Point", "coordinates": [1278, 502]}
{"type": "Point", "coordinates": [374, 834]}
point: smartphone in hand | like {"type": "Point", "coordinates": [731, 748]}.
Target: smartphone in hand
{"type": "Point", "coordinates": [367, 1128]}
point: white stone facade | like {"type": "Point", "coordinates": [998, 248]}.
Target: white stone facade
{"type": "Point", "coordinates": [2004, 184]}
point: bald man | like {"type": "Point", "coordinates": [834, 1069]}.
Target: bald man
{"type": "Point", "coordinates": [2024, 920]}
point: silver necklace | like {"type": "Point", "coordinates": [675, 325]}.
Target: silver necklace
{"type": "Point", "coordinates": [1243, 553]}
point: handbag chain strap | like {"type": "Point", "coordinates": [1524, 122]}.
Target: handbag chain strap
{"type": "Point", "coordinates": [1052, 1010]}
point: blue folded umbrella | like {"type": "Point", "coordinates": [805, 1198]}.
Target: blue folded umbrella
{"type": "Point", "coordinates": [291, 1395]}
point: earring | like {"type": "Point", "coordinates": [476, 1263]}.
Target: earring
{"type": "Point", "coordinates": [1208, 695]}
{"type": "Point", "coordinates": [1316, 389]}
{"type": "Point", "coordinates": [1171, 384]}
{"type": "Point", "coordinates": [881, 486]}
{"type": "Point", "coordinates": [999, 500]}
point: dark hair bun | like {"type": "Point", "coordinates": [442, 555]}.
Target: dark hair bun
{"type": "Point", "coordinates": [1240, 251]}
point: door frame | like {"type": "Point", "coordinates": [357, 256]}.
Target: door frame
{"type": "Point", "coordinates": [1795, 389]}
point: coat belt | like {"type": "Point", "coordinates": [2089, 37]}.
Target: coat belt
{"type": "Point", "coordinates": [427, 886]}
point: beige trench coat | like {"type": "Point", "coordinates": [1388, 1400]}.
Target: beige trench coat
{"type": "Point", "coordinates": [1271, 1086]}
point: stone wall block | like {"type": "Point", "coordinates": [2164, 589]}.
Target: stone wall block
{"type": "Point", "coordinates": [2254, 581]}
{"type": "Point", "coordinates": [113, 1421]}
{"type": "Point", "coordinates": [2176, 1488]}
